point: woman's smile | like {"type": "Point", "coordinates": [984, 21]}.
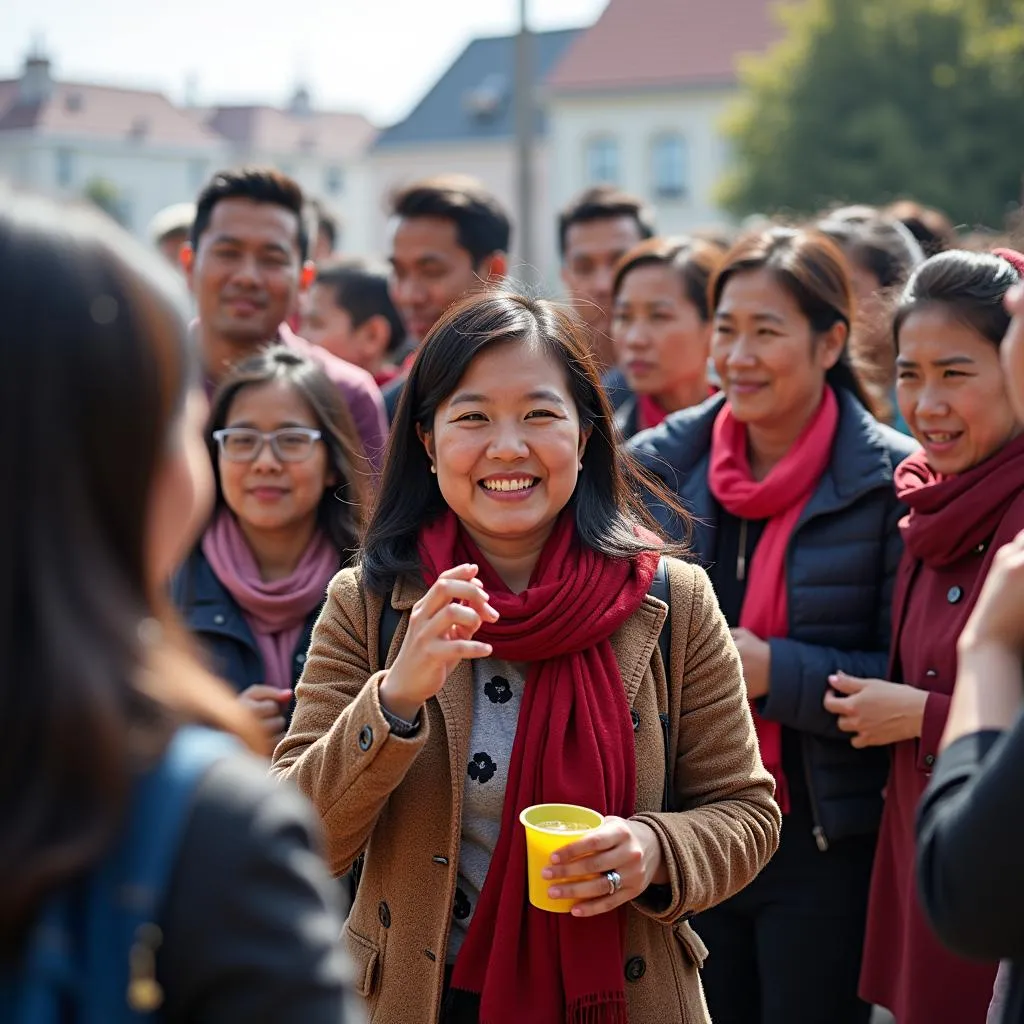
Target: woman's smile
{"type": "Point", "coordinates": [510, 488]}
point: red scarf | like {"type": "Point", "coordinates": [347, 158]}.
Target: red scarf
{"type": "Point", "coordinates": [650, 414]}
{"type": "Point", "coordinates": [951, 515]}
{"type": "Point", "coordinates": [573, 744]}
{"type": "Point", "coordinates": [385, 375]}
{"type": "Point", "coordinates": [780, 498]}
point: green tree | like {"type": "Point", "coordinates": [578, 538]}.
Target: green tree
{"type": "Point", "coordinates": [107, 196]}
{"type": "Point", "coordinates": [869, 100]}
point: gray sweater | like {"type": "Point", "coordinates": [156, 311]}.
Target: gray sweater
{"type": "Point", "coordinates": [497, 697]}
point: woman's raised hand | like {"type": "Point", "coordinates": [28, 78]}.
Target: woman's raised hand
{"type": "Point", "coordinates": [441, 629]}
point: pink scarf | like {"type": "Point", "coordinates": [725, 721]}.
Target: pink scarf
{"type": "Point", "coordinates": [276, 612]}
{"type": "Point", "coordinates": [780, 498]}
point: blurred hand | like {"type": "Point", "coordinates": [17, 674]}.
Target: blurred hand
{"type": "Point", "coordinates": [756, 656]}
{"type": "Point", "coordinates": [998, 618]}
{"type": "Point", "coordinates": [441, 629]}
{"type": "Point", "coordinates": [875, 711]}
{"type": "Point", "coordinates": [629, 847]}
{"type": "Point", "coordinates": [267, 703]}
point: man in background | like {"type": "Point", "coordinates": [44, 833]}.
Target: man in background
{"type": "Point", "coordinates": [449, 238]}
{"type": "Point", "coordinates": [246, 264]}
{"type": "Point", "coordinates": [349, 312]}
{"type": "Point", "coordinates": [169, 230]}
{"type": "Point", "coordinates": [594, 232]}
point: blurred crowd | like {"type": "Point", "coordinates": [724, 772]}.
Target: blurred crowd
{"type": "Point", "coordinates": [415, 520]}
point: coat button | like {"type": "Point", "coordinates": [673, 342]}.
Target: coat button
{"type": "Point", "coordinates": [218, 620]}
{"type": "Point", "coordinates": [636, 719]}
{"type": "Point", "coordinates": [365, 738]}
{"type": "Point", "coordinates": [384, 914]}
{"type": "Point", "coordinates": [954, 594]}
{"type": "Point", "coordinates": [929, 759]}
{"type": "Point", "coordinates": [636, 968]}
{"type": "Point", "coordinates": [980, 549]}
{"type": "Point", "coordinates": [931, 673]}
{"type": "Point", "coordinates": [300, 658]}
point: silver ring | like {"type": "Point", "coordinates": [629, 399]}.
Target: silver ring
{"type": "Point", "coordinates": [614, 882]}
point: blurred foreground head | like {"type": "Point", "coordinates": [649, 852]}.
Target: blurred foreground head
{"type": "Point", "coordinates": [106, 481]}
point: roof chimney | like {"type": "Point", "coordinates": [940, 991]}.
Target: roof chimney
{"type": "Point", "coordinates": [36, 85]}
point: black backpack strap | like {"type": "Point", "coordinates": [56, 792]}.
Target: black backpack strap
{"type": "Point", "coordinates": [661, 590]}
{"type": "Point", "coordinates": [389, 620]}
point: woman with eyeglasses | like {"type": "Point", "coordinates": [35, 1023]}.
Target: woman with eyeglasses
{"type": "Point", "coordinates": [288, 516]}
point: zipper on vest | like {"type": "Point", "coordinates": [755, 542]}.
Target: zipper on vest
{"type": "Point", "coordinates": [820, 838]}
{"type": "Point", "coordinates": [741, 555]}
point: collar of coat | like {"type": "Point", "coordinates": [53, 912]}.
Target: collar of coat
{"type": "Point", "coordinates": [862, 455]}
{"type": "Point", "coordinates": [633, 643]}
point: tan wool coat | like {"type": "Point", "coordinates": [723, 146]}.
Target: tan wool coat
{"type": "Point", "coordinates": [399, 801]}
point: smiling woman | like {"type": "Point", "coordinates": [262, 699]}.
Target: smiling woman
{"type": "Point", "coordinates": [789, 479]}
{"type": "Point", "coordinates": [290, 502]}
{"type": "Point", "coordinates": [511, 546]}
{"type": "Point", "coordinates": [964, 493]}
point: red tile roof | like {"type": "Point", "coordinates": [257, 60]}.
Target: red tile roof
{"type": "Point", "coordinates": [643, 44]}
{"type": "Point", "coordinates": [99, 111]}
{"type": "Point", "coordinates": [267, 130]}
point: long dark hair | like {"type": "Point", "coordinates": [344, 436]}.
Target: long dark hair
{"type": "Point", "coordinates": [94, 670]}
{"type": "Point", "coordinates": [971, 285]}
{"type": "Point", "coordinates": [342, 508]}
{"type": "Point", "coordinates": [812, 269]}
{"type": "Point", "coordinates": [606, 501]}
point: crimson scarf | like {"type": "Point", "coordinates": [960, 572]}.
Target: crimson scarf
{"type": "Point", "coordinates": [573, 744]}
{"type": "Point", "coordinates": [951, 515]}
{"type": "Point", "coordinates": [650, 414]}
{"type": "Point", "coordinates": [277, 611]}
{"type": "Point", "coordinates": [780, 498]}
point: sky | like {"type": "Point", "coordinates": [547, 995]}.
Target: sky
{"type": "Point", "coordinates": [376, 57]}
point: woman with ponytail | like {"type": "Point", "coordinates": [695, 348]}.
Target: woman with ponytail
{"type": "Point", "coordinates": [788, 478]}
{"type": "Point", "coordinates": [523, 665]}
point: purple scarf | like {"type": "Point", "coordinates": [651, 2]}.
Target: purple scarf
{"type": "Point", "coordinates": [277, 611]}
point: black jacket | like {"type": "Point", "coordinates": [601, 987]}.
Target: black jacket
{"type": "Point", "coordinates": [252, 917]}
{"type": "Point", "coordinates": [213, 615]}
{"type": "Point", "coordinates": [840, 569]}
{"type": "Point", "coordinates": [969, 837]}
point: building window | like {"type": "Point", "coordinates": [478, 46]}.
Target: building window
{"type": "Point", "coordinates": [670, 158]}
{"type": "Point", "coordinates": [602, 159]}
{"type": "Point", "coordinates": [334, 181]}
{"type": "Point", "coordinates": [65, 168]}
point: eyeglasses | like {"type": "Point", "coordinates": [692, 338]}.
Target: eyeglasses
{"type": "Point", "coordinates": [289, 444]}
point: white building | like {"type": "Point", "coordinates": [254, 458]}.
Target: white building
{"type": "Point", "coordinates": [137, 152]}
{"type": "Point", "coordinates": [324, 151]}
{"type": "Point", "coordinates": [638, 99]}
{"type": "Point", "coordinates": [132, 148]}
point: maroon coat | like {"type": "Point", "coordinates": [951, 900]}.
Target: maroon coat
{"type": "Point", "coordinates": [905, 969]}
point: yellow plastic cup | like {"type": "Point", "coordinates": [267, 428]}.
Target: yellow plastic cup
{"type": "Point", "coordinates": [549, 827]}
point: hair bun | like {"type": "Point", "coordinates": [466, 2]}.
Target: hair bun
{"type": "Point", "coordinates": [1014, 258]}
